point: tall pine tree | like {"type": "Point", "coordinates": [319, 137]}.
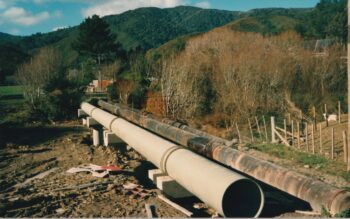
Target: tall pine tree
{"type": "Point", "coordinates": [95, 38]}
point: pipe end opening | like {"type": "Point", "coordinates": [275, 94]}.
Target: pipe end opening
{"type": "Point", "coordinates": [243, 198]}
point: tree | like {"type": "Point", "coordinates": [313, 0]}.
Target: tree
{"type": "Point", "coordinates": [95, 38]}
{"type": "Point", "coordinates": [36, 74]}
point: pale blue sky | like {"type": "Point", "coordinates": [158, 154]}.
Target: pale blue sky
{"type": "Point", "coordinates": [25, 17]}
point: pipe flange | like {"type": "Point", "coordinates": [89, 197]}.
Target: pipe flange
{"type": "Point", "coordinates": [165, 157]}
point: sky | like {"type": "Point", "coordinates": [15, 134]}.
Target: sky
{"type": "Point", "coordinates": [26, 17]}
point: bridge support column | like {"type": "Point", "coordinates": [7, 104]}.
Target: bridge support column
{"type": "Point", "coordinates": [97, 136]}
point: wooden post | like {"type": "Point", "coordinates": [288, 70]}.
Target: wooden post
{"type": "Point", "coordinates": [298, 127]}
{"type": "Point", "coordinates": [265, 129]}
{"type": "Point", "coordinates": [345, 144]}
{"type": "Point", "coordinates": [313, 138]}
{"type": "Point", "coordinates": [273, 134]}
{"type": "Point", "coordinates": [251, 130]}
{"type": "Point", "coordinates": [332, 148]}
{"type": "Point", "coordinates": [292, 133]}
{"type": "Point", "coordinates": [348, 86]}
{"type": "Point", "coordinates": [325, 112]}
{"type": "Point", "coordinates": [285, 129]}
{"type": "Point", "coordinates": [321, 146]}
{"type": "Point", "coordinates": [239, 134]}
{"type": "Point", "coordinates": [257, 124]}
{"type": "Point", "coordinates": [339, 112]}
{"type": "Point", "coordinates": [314, 114]}
{"type": "Point", "coordinates": [307, 136]}
{"type": "Point", "coordinates": [288, 118]}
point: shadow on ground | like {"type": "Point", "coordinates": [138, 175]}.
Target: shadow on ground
{"type": "Point", "coordinates": [30, 136]}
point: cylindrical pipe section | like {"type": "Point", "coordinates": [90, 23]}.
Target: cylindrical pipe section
{"type": "Point", "coordinates": [157, 124]}
{"type": "Point", "coordinates": [318, 194]}
{"type": "Point", "coordinates": [230, 193]}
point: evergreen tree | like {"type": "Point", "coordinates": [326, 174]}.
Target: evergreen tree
{"type": "Point", "coordinates": [95, 38]}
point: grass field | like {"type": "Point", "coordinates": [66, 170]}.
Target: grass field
{"type": "Point", "coordinates": [11, 90]}
{"type": "Point", "coordinates": [11, 101]}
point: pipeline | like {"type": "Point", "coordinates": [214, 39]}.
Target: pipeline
{"type": "Point", "coordinates": [148, 120]}
{"type": "Point", "coordinates": [228, 192]}
{"type": "Point", "coordinates": [318, 194]}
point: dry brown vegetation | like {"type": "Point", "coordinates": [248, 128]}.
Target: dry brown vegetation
{"type": "Point", "coordinates": [238, 75]}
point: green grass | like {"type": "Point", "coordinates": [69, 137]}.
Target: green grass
{"type": "Point", "coordinates": [11, 102]}
{"type": "Point", "coordinates": [11, 90]}
{"type": "Point", "coordinates": [322, 164]}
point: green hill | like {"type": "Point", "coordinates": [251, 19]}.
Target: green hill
{"type": "Point", "coordinates": [149, 28]}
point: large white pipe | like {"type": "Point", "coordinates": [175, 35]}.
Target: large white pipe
{"type": "Point", "coordinates": [228, 192]}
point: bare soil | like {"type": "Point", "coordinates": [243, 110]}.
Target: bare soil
{"type": "Point", "coordinates": [34, 150]}
{"type": "Point", "coordinates": [31, 151]}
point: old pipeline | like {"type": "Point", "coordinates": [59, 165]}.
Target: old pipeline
{"type": "Point", "coordinates": [228, 192]}
{"type": "Point", "coordinates": [318, 194]}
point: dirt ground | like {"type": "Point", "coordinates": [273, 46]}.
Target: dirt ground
{"type": "Point", "coordinates": [29, 152]}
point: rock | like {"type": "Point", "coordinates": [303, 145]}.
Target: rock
{"type": "Point", "coordinates": [110, 187]}
{"type": "Point", "coordinates": [60, 210]}
{"type": "Point", "coordinates": [307, 166]}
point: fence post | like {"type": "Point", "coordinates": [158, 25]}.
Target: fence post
{"type": "Point", "coordinates": [265, 129]}
{"type": "Point", "coordinates": [314, 114]}
{"type": "Point", "coordinates": [285, 129]}
{"type": "Point", "coordinates": [321, 146]}
{"type": "Point", "coordinates": [345, 144]}
{"type": "Point", "coordinates": [257, 124]}
{"type": "Point", "coordinates": [288, 118]}
{"type": "Point", "coordinates": [325, 112]}
{"type": "Point", "coordinates": [313, 138]}
{"type": "Point", "coordinates": [239, 133]}
{"type": "Point", "coordinates": [298, 127]}
{"type": "Point", "coordinates": [332, 149]}
{"type": "Point", "coordinates": [273, 134]}
{"type": "Point", "coordinates": [292, 133]}
{"type": "Point", "coordinates": [307, 136]}
{"type": "Point", "coordinates": [339, 112]}
{"type": "Point", "coordinates": [251, 130]}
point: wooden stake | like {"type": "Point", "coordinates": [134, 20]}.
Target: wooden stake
{"type": "Point", "coordinates": [321, 146]}
{"type": "Point", "coordinates": [282, 139]}
{"type": "Point", "coordinates": [265, 129]}
{"type": "Point", "coordinates": [313, 138]}
{"type": "Point", "coordinates": [273, 134]}
{"type": "Point", "coordinates": [251, 130]}
{"type": "Point", "coordinates": [339, 112]}
{"type": "Point", "coordinates": [345, 144]}
{"type": "Point", "coordinates": [325, 112]}
{"type": "Point", "coordinates": [332, 149]}
{"type": "Point", "coordinates": [298, 127]}
{"type": "Point", "coordinates": [307, 136]}
{"type": "Point", "coordinates": [285, 128]}
{"type": "Point", "coordinates": [293, 133]}
{"type": "Point", "coordinates": [257, 124]}
{"type": "Point", "coordinates": [288, 118]}
{"type": "Point", "coordinates": [314, 114]}
{"type": "Point", "coordinates": [239, 134]}
{"type": "Point", "coordinates": [348, 169]}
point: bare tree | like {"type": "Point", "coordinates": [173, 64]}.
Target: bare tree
{"type": "Point", "coordinates": [37, 73]}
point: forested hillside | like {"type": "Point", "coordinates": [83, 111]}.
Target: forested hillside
{"type": "Point", "coordinates": [143, 28]}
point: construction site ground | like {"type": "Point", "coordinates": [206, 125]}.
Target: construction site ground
{"type": "Point", "coordinates": [30, 151]}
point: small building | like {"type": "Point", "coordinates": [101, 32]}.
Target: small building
{"type": "Point", "coordinates": [98, 86]}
